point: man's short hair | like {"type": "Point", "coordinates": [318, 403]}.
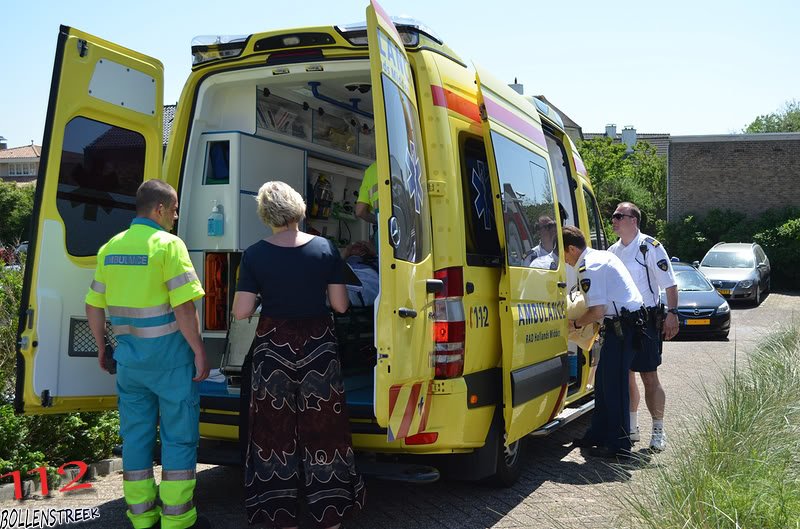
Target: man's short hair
{"type": "Point", "coordinates": [634, 209]}
{"type": "Point", "coordinates": [571, 235]}
{"type": "Point", "coordinates": [152, 193]}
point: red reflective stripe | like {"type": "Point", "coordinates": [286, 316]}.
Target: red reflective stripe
{"type": "Point", "coordinates": [452, 101]}
{"type": "Point", "coordinates": [394, 391]}
{"type": "Point", "coordinates": [558, 402]}
{"type": "Point", "coordinates": [423, 422]}
{"type": "Point", "coordinates": [514, 122]}
{"type": "Point", "coordinates": [387, 20]}
{"type": "Point", "coordinates": [408, 416]}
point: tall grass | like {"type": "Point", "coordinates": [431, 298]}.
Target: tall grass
{"type": "Point", "coordinates": [739, 466]}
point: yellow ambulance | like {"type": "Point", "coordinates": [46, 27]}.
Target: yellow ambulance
{"type": "Point", "coordinates": [464, 352]}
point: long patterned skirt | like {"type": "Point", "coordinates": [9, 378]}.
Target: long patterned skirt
{"type": "Point", "coordinates": [299, 446]}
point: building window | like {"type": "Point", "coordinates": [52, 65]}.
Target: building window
{"type": "Point", "coordinates": [22, 169]}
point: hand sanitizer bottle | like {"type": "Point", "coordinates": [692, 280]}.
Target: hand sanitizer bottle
{"type": "Point", "coordinates": [216, 220]}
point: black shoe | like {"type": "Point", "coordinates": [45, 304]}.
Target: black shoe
{"type": "Point", "coordinates": [620, 454]}
{"type": "Point", "coordinates": [584, 442]}
{"type": "Point", "coordinates": [201, 523]}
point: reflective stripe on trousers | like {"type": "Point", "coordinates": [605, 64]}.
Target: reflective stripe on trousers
{"type": "Point", "coordinates": [139, 488]}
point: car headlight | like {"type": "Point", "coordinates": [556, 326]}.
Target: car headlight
{"type": "Point", "coordinates": [724, 308]}
{"type": "Point", "coordinates": [747, 283]}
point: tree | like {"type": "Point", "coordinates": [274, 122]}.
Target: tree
{"type": "Point", "coordinates": [16, 203]}
{"type": "Point", "coordinates": [786, 119]}
{"type": "Point", "coordinates": [617, 176]}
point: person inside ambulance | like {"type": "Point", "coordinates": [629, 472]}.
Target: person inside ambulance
{"type": "Point", "coordinates": [367, 201]}
{"type": "Point", "coordinates": [545, 254]}
{"type": "Point", "coordinates": [145, 280]}
{"type": "Point", "coordinates": [360, 256]}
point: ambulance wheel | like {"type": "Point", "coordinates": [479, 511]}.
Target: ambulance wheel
{"type": "Point", "coordinates": [509, 463]}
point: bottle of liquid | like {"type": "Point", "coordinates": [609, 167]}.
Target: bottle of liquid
{"type": "Point", "coordinates": [216, 220]}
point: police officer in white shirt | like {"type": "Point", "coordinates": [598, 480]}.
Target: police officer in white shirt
{"type": "Point", "coordinates": [611, 297]}
{"type": "Point", "coordinates": [649, 265]}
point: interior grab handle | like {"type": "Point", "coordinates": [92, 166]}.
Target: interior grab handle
{"type": "Point", "coordinates": [404, 312]}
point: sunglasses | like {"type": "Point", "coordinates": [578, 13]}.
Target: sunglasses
{"type": "Point", "coordinates": [618, 216]}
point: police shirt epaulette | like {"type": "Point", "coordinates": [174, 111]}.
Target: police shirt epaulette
{"type": "Point", "coordinates": [581, 268]}
{"type": "Point", "coordinates": [652, 241]}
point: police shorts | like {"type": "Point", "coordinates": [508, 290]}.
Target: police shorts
{"type": "Point", "coordinates": [648, 357]}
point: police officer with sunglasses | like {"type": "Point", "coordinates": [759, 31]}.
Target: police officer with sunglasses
{"type": "Point", "coordinates": [651, 269]}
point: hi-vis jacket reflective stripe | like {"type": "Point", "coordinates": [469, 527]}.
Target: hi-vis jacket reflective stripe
{"type": "Point", "coordinates": [142, 273]}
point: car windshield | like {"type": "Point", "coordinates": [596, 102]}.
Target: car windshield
{"type": "Point", "coordinates": [728, 260]}
{"type": "Point", "coordinates": [692, 280]}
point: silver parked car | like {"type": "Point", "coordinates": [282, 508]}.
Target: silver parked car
{"type": "Point", "coordinates": [738, 270]}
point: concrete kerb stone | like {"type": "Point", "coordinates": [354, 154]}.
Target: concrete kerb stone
{"type": "Point", "coordinates": [31, 486]}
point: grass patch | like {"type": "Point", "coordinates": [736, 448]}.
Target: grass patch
{"type": "Point", "coordinates": [739, 465]}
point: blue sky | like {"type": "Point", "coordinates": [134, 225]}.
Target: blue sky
{"type": "Point", "coordinates": [682, 67]}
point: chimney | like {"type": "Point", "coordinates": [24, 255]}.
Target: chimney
{"type": "Point", "coordinates": [611, 131]}
{"type": "Point", "coordinates": [3, 144]}
{"type": "Point", "coordinates": [629, 137]}
{"type": "Point", "coordinates": [517, 87]}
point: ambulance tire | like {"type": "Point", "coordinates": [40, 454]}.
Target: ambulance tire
{"type": "Point", "coordinates": [509, 463]}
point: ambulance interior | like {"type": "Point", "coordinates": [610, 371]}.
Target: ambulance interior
{"type": "Point", "coordinates": [311, 126]}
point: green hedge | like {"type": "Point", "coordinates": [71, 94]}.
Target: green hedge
{"type": "Point", "coordinates": [776, 230]}
{"type": "Point", "coordinates": [28, 442]}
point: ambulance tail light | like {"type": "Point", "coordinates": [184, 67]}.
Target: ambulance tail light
{"type": "Point", "coordinates": [449, 326]}
{"type": "Point", "coordinates": [216, 287]}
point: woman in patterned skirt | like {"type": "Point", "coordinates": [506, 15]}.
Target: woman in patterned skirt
{"type": "Point", "coordinates": [298, 444]}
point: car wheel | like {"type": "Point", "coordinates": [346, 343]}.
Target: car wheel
{"type": "Point", "coordinates": [509, 463]}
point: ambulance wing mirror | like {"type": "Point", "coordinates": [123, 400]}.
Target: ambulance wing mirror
{"type": "Point", "coordinates": [434, 286]}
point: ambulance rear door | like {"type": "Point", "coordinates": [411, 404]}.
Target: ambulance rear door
{"type": "Point", "coordinates": [404, 324]}
{"type": "Point", "coordinates": [103, 137]}
{"type": "Point", "coordinates": [533, 285]}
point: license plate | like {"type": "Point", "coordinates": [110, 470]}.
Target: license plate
{"type": "Point", "coordinates": [705, 321]}
{"type": "Point", "coordinates": [724, 291]}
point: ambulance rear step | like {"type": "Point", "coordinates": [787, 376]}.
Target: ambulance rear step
{"type": "Point", "coordinates": [227, 453]}
{"type": "Point", "coordinates": [564, 418]}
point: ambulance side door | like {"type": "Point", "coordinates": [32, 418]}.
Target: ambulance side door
{"type": "Point", "coordinates": [403, 316]}
{"type": "Point", "coordinates": [532, 286]}
{"type": "Point", "coordinates": [103, 137]}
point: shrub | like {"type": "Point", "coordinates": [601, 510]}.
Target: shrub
{"type": "Point", "coordinates": [28, 442]}
{"type": "Point", "coordinates": [776, 230]}
{"type": "Point", "coordinates": [16, 203]}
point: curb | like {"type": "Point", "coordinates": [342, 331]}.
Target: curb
{"type": "Point", "coordinates": [96, 470]}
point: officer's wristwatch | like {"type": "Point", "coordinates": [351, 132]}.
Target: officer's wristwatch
{"type": "Point", "coordinates": [673, 311]}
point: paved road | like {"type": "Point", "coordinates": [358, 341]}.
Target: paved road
{"type": "Point", "coordinates": [558, 487]}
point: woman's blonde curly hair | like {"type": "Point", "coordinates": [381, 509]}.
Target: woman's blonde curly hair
{"type": "Point", "coordinates": [280, 205]}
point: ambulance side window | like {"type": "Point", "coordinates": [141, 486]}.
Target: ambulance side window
{"type": "Point", "coordinates": [102, 166]}
{"type": "Point", "coordinates": [480, 230]}
{"type": "Point", "coordinates": [528, 205]}
{"type": "Point", "coordinates": [409, 221]}
{"type": "Point", "coordinates": [565, 188]}
{"type": "Point", "coordinates": [596, 233]}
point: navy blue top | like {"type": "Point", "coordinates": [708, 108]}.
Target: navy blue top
{"type": "Point", "coordinates": [292, 282]}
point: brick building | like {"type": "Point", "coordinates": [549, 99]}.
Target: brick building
{"type": "Point", "coordinates": [743, 172]}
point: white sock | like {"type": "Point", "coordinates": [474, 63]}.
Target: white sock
{"type": "Point", "coordinates": [658, 423]}
{"type": "Point", "coordinates": [634, 420]}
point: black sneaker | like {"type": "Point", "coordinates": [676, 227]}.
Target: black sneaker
{"type": "Point", "coordinates": [584, 442]}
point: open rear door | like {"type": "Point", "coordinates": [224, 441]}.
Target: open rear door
{"type": "Point", "coordinates": [404, 329]}
{"type": "Point", "coordinates": [103, 135]}
{"type": "Point", "coordinates": [533, 285]}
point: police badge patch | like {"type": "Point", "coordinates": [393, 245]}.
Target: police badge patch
{"type": "Point", "coordinates": [662, 264]}
{"type": "Point", "coordinates": [585, 285]}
